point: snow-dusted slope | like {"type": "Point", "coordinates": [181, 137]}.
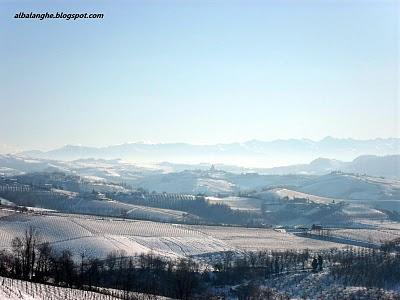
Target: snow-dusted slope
{"type": "Point", "coordinates": [291, 194]}
{"type": "Point", "coordinates": [14, 289]}
{"type": "Point", "coordinates": [190, 182]}
{"type": "Point", "coordinates": [349, 186]}
{"type": "Point", "coordinates": [375, 236]}
{"type": "Point", "coordinates": [99, 236]}
{"type": "Point", "coordinates": [239, 203]}
{"type": "Point", "coordinates": [321, 285]}
{"type": "Point", "coordinates": [255, 239]}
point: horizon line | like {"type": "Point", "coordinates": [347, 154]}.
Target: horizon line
{"type": "Point", "coordinates": [20, 149]}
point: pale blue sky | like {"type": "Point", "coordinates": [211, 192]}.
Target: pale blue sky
{"type": "Point", "coordinates": [198, 71]}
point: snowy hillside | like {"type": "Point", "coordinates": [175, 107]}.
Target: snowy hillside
{"type": "Point", "coordinates": [387, 166]}
{"type": "Point", "coordinates": [349, 186]}
{"type": "Point", "coordinates": [99, 236]}
{"type": "Point", "coordinates": [15, 289]}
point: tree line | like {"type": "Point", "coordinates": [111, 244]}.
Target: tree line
{"type": "Point", "coordinates": [211, 213]}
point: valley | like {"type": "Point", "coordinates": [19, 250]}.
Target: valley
{"type": "Point", "coordinates": [99, 210]}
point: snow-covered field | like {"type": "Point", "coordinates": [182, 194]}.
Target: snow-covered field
{"type": "Point", "coordinates": [351, 211]}
{"type": "Point", "coordinates": [187, 182]}
{"type": "Point", "coordinates": [375, 236]}
{"type": "Point", "coordinates": [14, 289]}
{"type": "Point", "coordinates": [356, 187]}
{"type": "Point", "coordinates": [116, 208]}
{"type": "Point", "coordinates": [307, 285]}
{"type": "Point", "coordinates": [240, 203]}
{"type": "Point", "coordinates": [291, 194]}
{"type": "Point", "coordinates": [98, 236]}
{"type": "Point", "coordinates": [363, 211]}
{"type": "Point", "coordinates": [132, 211]}
{"type": "Point", "coordinates": [254, 239]}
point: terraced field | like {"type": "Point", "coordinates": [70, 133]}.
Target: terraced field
{"type": "Point", "coordinates": [375, 236]}
{"type": "Point", "coordinates": [254, 239]}
{"type": "Point", "coordinates": [98, 236]}
{"type": "Point", "coordinates": [14, 289]}
{"type": "Point", "coordinates": [291, 194]}
{"type": "Point", "coordinates": [239, 203]}
{"type": "Point", "coordinates": [307, 285]}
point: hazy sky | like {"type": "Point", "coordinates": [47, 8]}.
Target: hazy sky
{"type": "Point", "coordinates": [198, 71]}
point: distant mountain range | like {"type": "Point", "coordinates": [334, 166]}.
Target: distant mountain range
{"type": "Point", "coordinates": [252, 153]}
{"type": "Point", "coordinates": [385, 166]}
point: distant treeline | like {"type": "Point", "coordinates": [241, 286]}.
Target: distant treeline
{"type": "Point", "coordinates": [209, 213]}
{"type": "Point", "coordinates": [215, 213]}
{"type": "Point", "coordinates": [31, 260]}
{"type": "Point", "coordinates": [36, 190]}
